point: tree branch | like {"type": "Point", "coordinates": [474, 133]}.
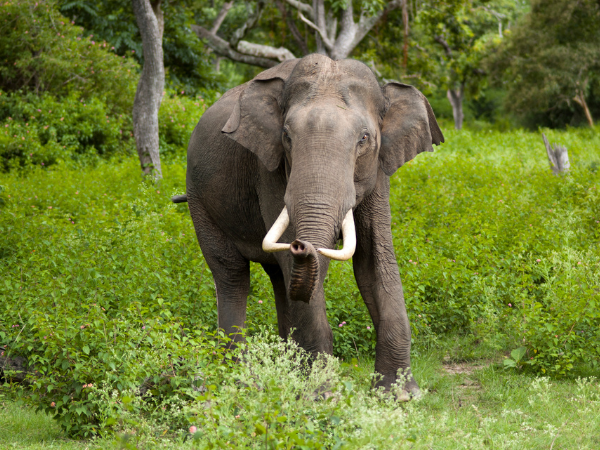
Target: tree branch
{"type": "Point", "coordinates": [440, 40]}
{"type": "Point", "coordinates": [351, 33]}
{"type": "Point", "coordinates": [265, 51]}
{"type": "Point", "coordinates": [253, 17]}
{"type": "Point", "coordinates": [223, 48]}
{"type": "Point", "coordinates": [322, 33]}
{"type": "Point", "coordinates": [366, 23]}
{"type": "Point", "coordinates": [301, 6]}
{"type": "Point", "coordinates": [298, 38]}
{"type": "Point", "coordinates": [221, 17]}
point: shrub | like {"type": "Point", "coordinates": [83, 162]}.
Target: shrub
{"type": "Point", "coordinates": [42, 51]}
{"type": "Point", "coordinates": [469, 223]}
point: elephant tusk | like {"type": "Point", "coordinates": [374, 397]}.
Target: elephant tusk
{"type": "Point", "coordinates": [349, 237]}
{"type": "Point", "coordinates": [269, 243]}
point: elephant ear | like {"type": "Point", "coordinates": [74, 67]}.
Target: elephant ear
{"type": "Point", "coordinates": [256, 121]}
{"type": "Point", "coordinates": [409, 126]}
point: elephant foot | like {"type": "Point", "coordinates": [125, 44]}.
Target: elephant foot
{"type": "Point", "coordinates": [409, 388]}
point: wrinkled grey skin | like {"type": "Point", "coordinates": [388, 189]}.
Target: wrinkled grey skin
{"type": "Point", "coordinates": [319, 137]}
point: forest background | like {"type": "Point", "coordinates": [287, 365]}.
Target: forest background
{"type": "Point", "coordinates": [103, 282]}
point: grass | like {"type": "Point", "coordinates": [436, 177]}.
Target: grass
{"type": "Point", "coordinates": [468, 405]}
{"type": "Point", "coordinates": [493, 251]}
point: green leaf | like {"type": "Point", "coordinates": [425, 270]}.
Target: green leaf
{"type": "Point", "coordinates": [518, 353]}
{"type": "Point", "coordinates": [86, 349]}
{"type": "Point", "coordinates": [510, 363]}
{"type": "Point", "coordinates": [259, 428]}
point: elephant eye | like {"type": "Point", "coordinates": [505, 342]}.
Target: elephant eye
{"type": "Point", "coordinates": [286, 136]}
{"type": "Point", "coordinates": [364, 138]}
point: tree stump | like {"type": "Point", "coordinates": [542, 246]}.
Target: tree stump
{"type": "Point", "coordinates": [558, 157]}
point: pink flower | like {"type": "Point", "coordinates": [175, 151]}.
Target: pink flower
{"type": "Point", "coordinates": [82, 327]}
{"type": "Point", "coordinates": [579, 263]}
{"type": "Point", "coordinates": [368, 328]}
{"type": "Point", "coordinates": [237, 417]}
{"type": "Point", "coordinates": [538, 260]}
{"type": "Point", "coordinates": [52, 404]}
{"type": "Point", "coordinates": [410, 260]}
{"type": "Point", "coordinates": [340, 325]}
{"type": "Point", "coordinates": [193, 429]}
{"type": "Point", "coordinates": [344, 322]}
{"type": "Point", "coordinates": [260, 301]}
{"type": "Point", "coordinates": [62, 118]}
{"type": "Point", "coordinates": [510, 305]}
{"type": "Point", "coordinates": [49, 207]}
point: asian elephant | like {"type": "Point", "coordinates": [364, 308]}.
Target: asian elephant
{"type": "Point", "coordinates": [302, 155]}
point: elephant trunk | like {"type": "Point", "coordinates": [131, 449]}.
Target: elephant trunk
{"type": "Point", "coordinates": [304, 279]}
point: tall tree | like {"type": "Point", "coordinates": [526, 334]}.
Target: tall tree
{"type": "Point", "coordinates": [458, 34]}
{"type": "Point", "coordinates": [149, 93]}
{"type": "Point", "coordinates": [336, 29]}
{"type": "Point", "coordinates": [551, 60]}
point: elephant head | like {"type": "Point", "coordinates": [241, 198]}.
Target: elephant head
{"type": "Point", "coordinates": [333, 127]}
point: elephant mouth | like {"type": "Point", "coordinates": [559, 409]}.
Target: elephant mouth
{"type": "Point", "coordinates": [305, 271]}
{"type": "Point", "coordinates": [270, 244]}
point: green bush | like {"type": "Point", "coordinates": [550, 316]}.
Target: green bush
{"type": "Point", "coordinates": [42, 51]}
{"type": "Point", "coordinates": [43, 130]}
{"type": "Point", "coordinates": [95, 247]}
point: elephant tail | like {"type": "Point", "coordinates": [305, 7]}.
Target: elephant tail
{"type": "Point", "coordinates": [179, 199]}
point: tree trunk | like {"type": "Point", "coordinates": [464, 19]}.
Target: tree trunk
{"type": "Point", "coordinates": [557, 156]}
{"type": "Point", "coordinates": [580, 100]}
{"type": "Point", "coordinates": [150, 87]}
{"type": "Point", "coordinates": [319, 19]}
{"type": "Point", "coordinates": [405, 26]}
{"type": "Point", "coordinates": [455, 96]}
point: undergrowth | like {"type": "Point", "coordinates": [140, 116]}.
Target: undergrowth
{"type": "Point", "coordinates": [104, 283]}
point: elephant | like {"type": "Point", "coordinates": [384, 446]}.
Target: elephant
{"type": "Point", "coordinates": [280, 168]}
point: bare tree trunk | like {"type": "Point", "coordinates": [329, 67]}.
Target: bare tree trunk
{"type": "Point", "coordinates": [558, 157]}
{"type": "Point", "coordinates": [319, 19]}
{"type": "Point", "coordinates": [221, 17]}
{"type": "Point", "coordinates": [580, 100]}
{"type": "Point", "coordinates": [150, 87]}
{"type": "Point", "coordinates": [455, 96]}
{"type": "Point", "coordinates": [405, 23]}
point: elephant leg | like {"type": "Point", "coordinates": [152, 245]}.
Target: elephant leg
{"type": "Point", "coordinates": [278, 282]}
{"type": "Point", "coordinates": [378, 279]}
{"type": "Point", "coordinates": [231, 271]}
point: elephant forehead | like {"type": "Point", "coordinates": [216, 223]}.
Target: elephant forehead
{"type": "Point", "coordinates": [317, 77]}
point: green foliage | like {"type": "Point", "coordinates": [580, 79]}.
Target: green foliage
{"type": "Point", "coordinates": [42, 51]}
{"type": "Point", "coordinates": [90, 257]}
{"type": "Point", "coordinates": [551, 56]}
{"type": "Point", "coordinates": [470, 229]}
{"type": "Point", "coordinates": [186, 60]}
{"type": "Point", "coordinates": [42, 130]}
